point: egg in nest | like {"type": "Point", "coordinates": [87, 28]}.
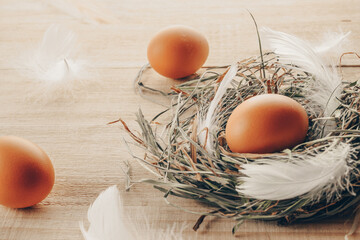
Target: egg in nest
{"type": "Point", "coordinates": [265, 124]}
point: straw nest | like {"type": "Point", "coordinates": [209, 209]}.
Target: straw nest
{"type": "Point", "coordinates": [185, 168]}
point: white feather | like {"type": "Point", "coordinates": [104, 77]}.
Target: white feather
{"type": "Point", "coordinates": [53, 65]}
{"type": "Point", "coordinates": [108, 221]}
{"type": "Point", "coordinates": [310, 175]}
{"type": "Point", "coordinates": [207, 124]}
{"type": "Point", "coordinates": [291, 50]}
{"type": "Point", "coordinates": [331, 46]}
{"type": "Point", "coordinates": [88, 11]}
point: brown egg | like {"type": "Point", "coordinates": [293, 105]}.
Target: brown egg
{"type": "Point", "coordinates": [265, 124]}
{"type": "Point", "coordinates": [26, 173]}
{"type": "Point", "coordinates": [177, 51]}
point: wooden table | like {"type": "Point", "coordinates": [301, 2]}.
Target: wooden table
{"type": "Point", "coordinates": [87, 153]}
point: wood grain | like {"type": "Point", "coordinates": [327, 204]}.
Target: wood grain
{"type": "Point", "coordinates": [87, 153]}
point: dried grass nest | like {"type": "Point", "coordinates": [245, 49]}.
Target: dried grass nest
{"type": "Point", "coordinates": [185, 169]}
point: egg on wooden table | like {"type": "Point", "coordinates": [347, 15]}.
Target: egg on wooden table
{"type": "Point", "coordinates": [265, 124]}
{"type": "Point", "coordinates": [26, 173]}
{"type": "Point", "coordinates": [177, 51]}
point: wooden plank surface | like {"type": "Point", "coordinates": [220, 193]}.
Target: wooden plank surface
{"type": "Point", "coordinates": [87, 153]}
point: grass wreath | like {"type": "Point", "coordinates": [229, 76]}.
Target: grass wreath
{"type": "Point", "coordinates": [190, 157]}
